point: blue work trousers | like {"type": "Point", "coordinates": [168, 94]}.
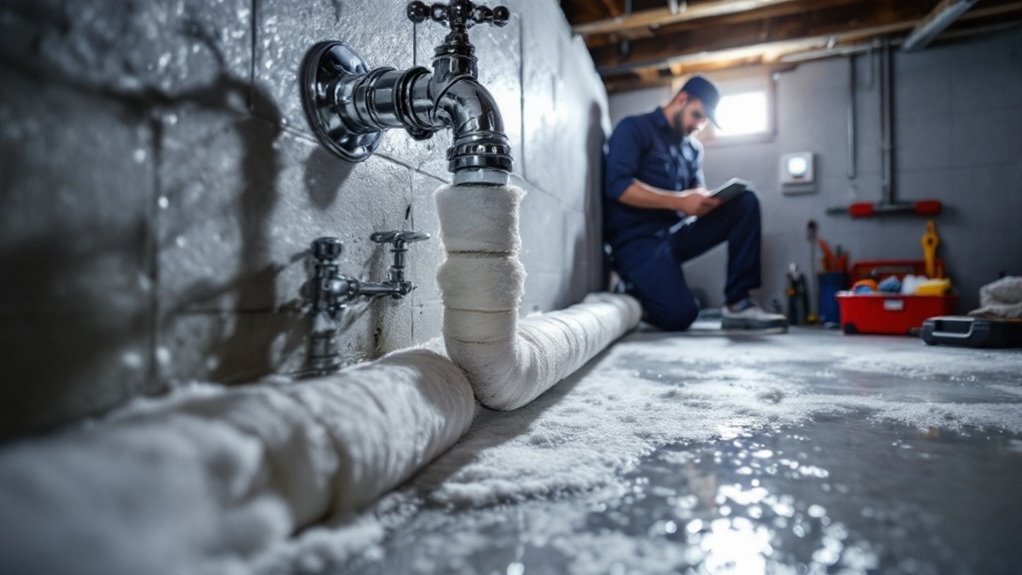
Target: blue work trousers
{"type": "Point", "coordinates": [652, 266]}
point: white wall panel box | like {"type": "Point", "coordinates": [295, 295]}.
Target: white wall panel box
{"type": "Point", "coordinates": [797, 172]}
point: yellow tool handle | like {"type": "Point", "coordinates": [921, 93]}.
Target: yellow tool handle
{"type": "Point", "coordinates": [930, 242]}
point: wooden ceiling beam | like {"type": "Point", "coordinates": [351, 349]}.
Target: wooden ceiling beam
{"type": "Point", "coordinates": [786, 9]}
{"type": "Point", "coordinates": [636, 81]}
{"type": "Point", "coordinates": [619, 23]}
{"type": "Point", "coordinates": [943, 15]}
{"type": "Point", "coordinates": [612, 8]}
{"type": "Point", "coordinates": [840, 22]}
{"type": "Point", "coordinates": [773, 53]}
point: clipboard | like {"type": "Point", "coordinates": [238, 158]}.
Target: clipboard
{"type": "Point", "coordinates": [730, 189]}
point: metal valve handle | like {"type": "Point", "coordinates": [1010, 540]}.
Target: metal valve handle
{"type": "Point", "coordinates": [398, 237]}
{"type": "Point", "coordinates": [459, 14]}
{"type": "Point", "coordinates": [327, 248]}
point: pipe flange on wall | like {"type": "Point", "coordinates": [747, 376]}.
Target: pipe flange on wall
{"type": "Point", "coordinates": [325, 68]}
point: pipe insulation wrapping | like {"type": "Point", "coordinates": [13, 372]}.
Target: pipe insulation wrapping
{"type": "Point", "coordinates": [510, 362]}
{"type": "Point", "coordinates": [209, 479]}
{"type": "Point", "coordinates": [206, 479]}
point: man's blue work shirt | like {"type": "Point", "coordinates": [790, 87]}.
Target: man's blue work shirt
{"type": "Point", "coordinates": [646, 148]}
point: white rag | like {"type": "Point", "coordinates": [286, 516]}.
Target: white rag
{"type": "Point", "coordinates": [1001, 299]}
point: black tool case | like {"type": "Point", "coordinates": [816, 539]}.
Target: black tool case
{"type": "Point", "coordinates": [970, 331]}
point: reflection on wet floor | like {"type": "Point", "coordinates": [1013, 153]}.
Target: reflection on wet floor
{"type": "Point", "coordinates": [842, 491]}
{"type": "Point", "coordinates": [850, 497]}
{"type": "Point", "coordinates": [827, 497]}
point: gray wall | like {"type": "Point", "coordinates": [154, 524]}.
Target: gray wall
{"type": "Point", "coordinates": [160, 186]}
{"type": "Point", "coordinates": [958, 139]}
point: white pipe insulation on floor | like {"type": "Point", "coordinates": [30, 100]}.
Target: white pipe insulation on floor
{"type": "Point", "coordinates": [208, 480]}
{"type": "Point", "coordinates": [508, 362]}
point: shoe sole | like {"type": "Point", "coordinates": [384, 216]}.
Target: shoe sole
{"type": "Point", "coordinates": [752, 324]}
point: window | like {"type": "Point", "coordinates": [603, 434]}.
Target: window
{"type": "Point", "coordinates": [742, 114]}
{"type": "Point", "coordinates": [745, 110]}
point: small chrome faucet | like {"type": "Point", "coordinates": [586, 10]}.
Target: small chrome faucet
{"type": "Point", "coordinates": [328, 292]}
{"type": "Point", "coordinates": [396, 285]}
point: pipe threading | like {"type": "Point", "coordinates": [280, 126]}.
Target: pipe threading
{"type": "Point", "coordinates": [491, 152]}
{"type": "Point", "coordinates": [479, 140]}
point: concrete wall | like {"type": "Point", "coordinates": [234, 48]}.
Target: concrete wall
{"type": "Point", "coordinates": [160, 187]}
{"type": "Point", "coordinates": [958, 139]}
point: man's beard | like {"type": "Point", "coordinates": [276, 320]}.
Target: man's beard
{"type": "Point", "coordinates": [679, 122]}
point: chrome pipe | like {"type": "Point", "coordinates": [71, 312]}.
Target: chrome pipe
{"type": "Point", "coordinates": [350, 106]}
{"type": "Point", "coordinates": [480, 152]}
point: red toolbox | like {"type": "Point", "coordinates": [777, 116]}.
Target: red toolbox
{"type": "Point", "coordinates": [890, 313]}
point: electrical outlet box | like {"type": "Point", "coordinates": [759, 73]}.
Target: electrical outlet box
{"type": "Point", "coordinates": [797, 171]}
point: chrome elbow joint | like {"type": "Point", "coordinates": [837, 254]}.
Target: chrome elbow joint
{"type": "Point", "coordinates": [480, 152]}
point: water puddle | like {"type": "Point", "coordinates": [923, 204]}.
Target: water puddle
{"type": "Point", "coordinates": [838, 495]}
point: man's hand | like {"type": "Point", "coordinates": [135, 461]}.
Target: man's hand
{"type": "Point", "coordinates": [693, 202]}
{"type": "Point", "coordinates": [696, 202]}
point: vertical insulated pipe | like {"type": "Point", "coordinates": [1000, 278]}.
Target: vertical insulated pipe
{"type": "Point", "coordinates": [510, 362]}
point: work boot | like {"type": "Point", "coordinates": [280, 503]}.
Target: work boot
{"type": "Point", "coordinates": [746, 314]}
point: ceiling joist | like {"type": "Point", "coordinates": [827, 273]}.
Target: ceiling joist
{"type": "Point", "coordinates": [662, 17]}
{"type": "Point", "coordinates": [653, 45]}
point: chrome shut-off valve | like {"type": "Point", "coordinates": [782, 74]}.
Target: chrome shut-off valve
{"type": "Point", "coordinates": [328, 292]}
{"type": "Point", "coordinates": [350, 105]}
{"type": "Point", "coordinates": [398, 241]}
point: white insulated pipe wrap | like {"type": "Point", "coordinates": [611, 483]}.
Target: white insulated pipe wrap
{"type": "Point", "coordinates": [482, 282]}
{"type": "Point", "coordinates": [334, 444]}
{"type": "Point", "coordinates": [487, 224]}
{"type": "Point", "coordinates": [510, 363]}
{"type": "Point", "coordinates": [389, 418]}
{"type": "Point", "coordinates": [206, 478]}
{"type": "Point", "coordinates": [464, 325]}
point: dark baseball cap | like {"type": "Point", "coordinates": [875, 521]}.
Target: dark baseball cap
{"type": "Point", "coordinates": [699, 87]}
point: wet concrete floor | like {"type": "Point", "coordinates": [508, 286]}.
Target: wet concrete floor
{"type": "Point", "coordinates": [916, 467]}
